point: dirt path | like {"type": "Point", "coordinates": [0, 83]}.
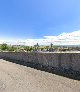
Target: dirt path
{"type": "Point", "coordinates": [17, 78]}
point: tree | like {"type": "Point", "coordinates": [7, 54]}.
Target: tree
{"type": "Point", "coordinates": [26, 48]}
{"type": "Point", "coordinates": [4, 46]}
{"type": "Point", "coordinates": [12, 48]}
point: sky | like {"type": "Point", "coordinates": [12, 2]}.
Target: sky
{"type": "Point", "coordinates": [40, 19]}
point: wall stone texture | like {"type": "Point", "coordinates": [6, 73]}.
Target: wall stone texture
{"type": "Point", "coordinates": [57, 60]}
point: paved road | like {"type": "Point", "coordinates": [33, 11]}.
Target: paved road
{"type": "Point", "coordinates": [17, 78]}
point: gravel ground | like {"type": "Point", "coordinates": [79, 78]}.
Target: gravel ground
{"type": "Point", "coordinates": [18, 78]}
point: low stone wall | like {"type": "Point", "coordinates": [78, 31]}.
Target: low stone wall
{"type": "Point", "coordinates": [60, 61]}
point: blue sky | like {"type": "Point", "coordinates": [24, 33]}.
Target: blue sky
{"type": "Point", "coordinates": [22, 19]}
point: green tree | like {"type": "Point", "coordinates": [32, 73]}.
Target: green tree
{"type": "Point", "coordinates": [12, 48]}
{"type": "Point", "coordinates": [4, 46]}
{"type": "Point", "coordinates": [26, 48]}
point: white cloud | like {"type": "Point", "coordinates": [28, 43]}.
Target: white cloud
{"type": "Point", "coordinates": [72, 38]}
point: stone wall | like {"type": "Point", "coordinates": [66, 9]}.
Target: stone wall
{"type": "Point", "coordinates": [68, 61]}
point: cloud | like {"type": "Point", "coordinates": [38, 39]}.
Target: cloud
{"type": "Point", "coordinates": [72, 38]}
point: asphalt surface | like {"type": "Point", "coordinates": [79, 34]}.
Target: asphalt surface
{"type": "Point", "coordinates": [18, 78]}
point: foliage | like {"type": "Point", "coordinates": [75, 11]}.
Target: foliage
{"type": "Point", "coordinates": [4, 46]}
{"type": "Point", "coordinates": [50, 48]}
{"type": "Point", "coordinates": [12, 48]}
